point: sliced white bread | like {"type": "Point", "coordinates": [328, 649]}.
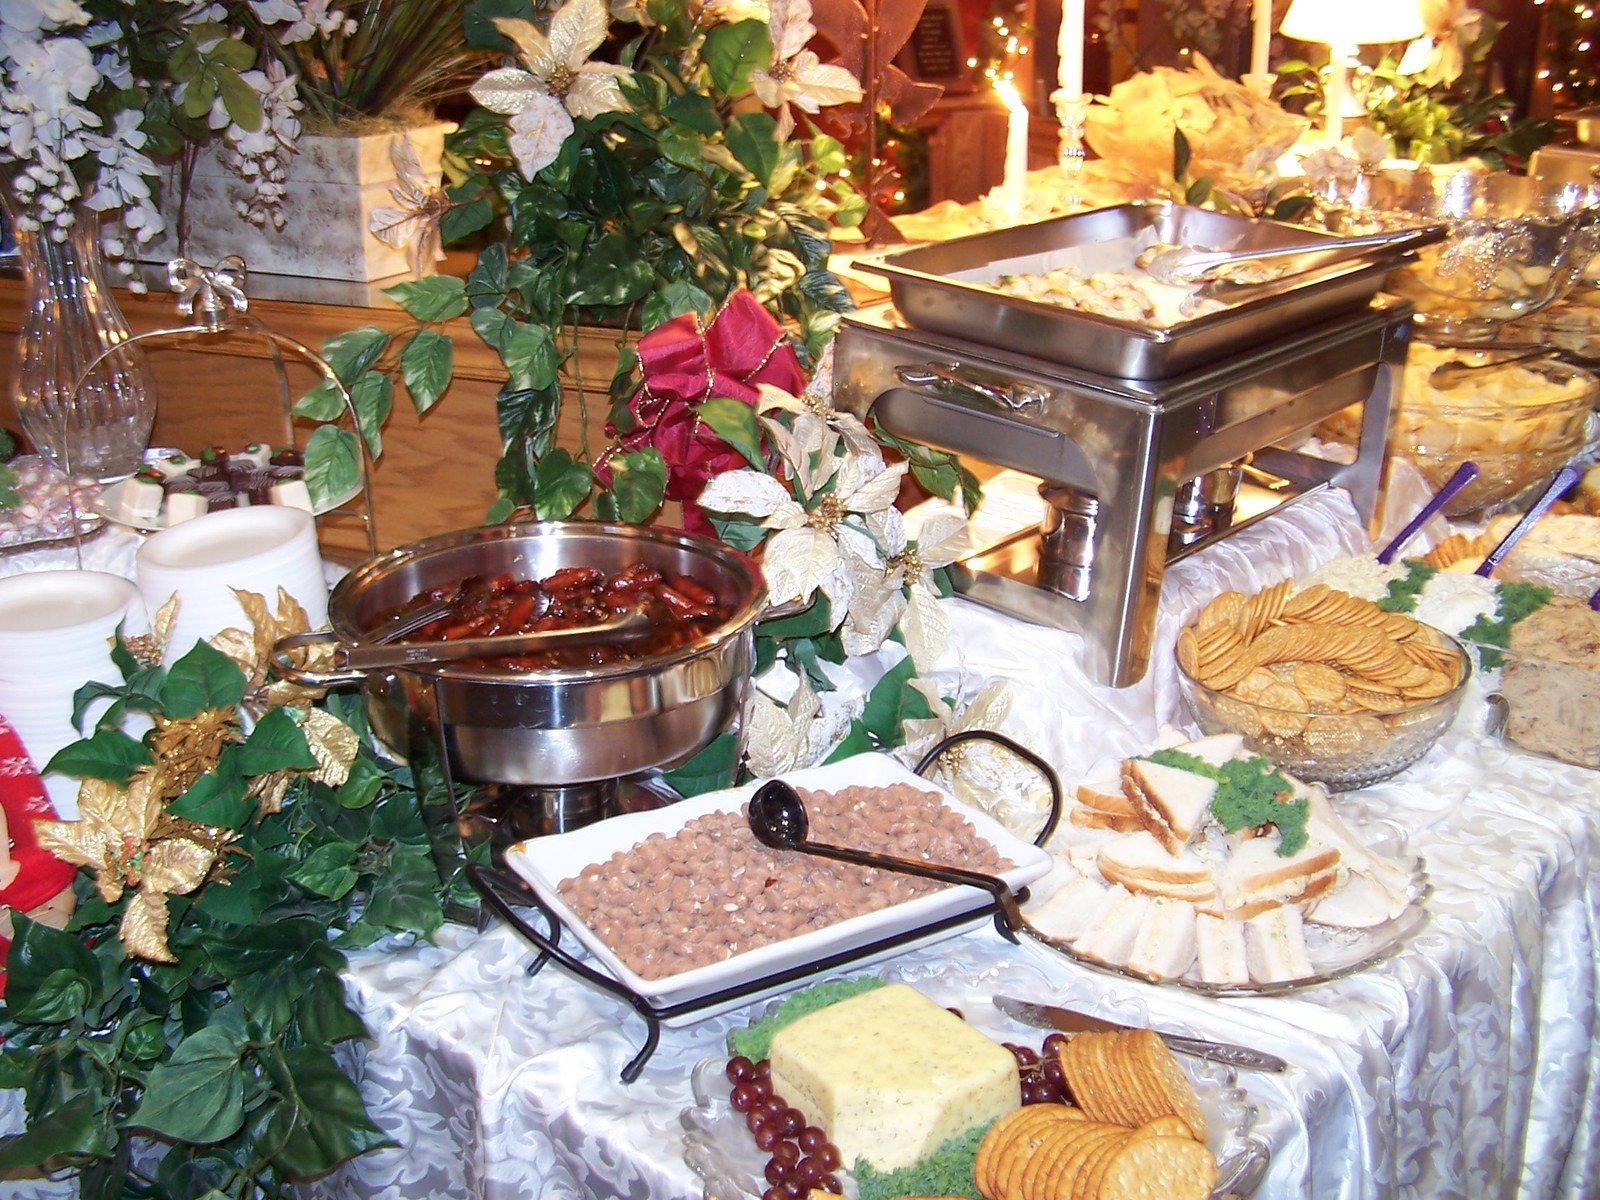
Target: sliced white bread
{"type": "Point", "coordinates": [1165, 946]}
{"type": "Point", "coordinates": [1141, 863]}
{"type": "Point", "coordinates": [1174, 802]}
{"type": "Point", "coordinates": [1275, 945]}
{"type": "Point", "coordinates": [1327, 828]}
{"type": "Point", "coordinates": [1216, 749]}
{"type": "Point", "coordinates": [1257, 876]}
{"type": "Point", "coordinates": [1110, 939]}
{"type": "Point", "coordinates": [1069, 911]}
{"type": "Point", "coordinates": [1107, 797]}
{"type": "Point", "coordinates": [1219, 944]}
{"type": "Point", "coordinates": [1093, 818]}
{"type": "Point", "coordinates": [1355, 902]}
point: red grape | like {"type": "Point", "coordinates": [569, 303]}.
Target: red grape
{"type": "Point", "coordinates": [773, 1193]}
{"type": "Point", "coordinates": [811, 1137]}
{"type": "Point", "coordinates": [756, 1120]}
{"type": "Point", "coordinates": [761, 1085]}
{"type": "Point", "coordinates": [768, 1138]}
{"type": "Point", "coordinates": [956, 1012]}
{"type": "Point", "coordinates": [764, 1068]}
{"type": "Point", "coordinates": [1054, 1044]}
{"type": "Point", "coordinates": [1026, 1058]}
{"type": "Point", "coordinates": [778, 1172]}
{"type": "Point", "coordinates": [774, 1107]}
{"type": "Point", "coordinates": [743, 1097]}
{"type": "Point", "coordinates": [1052, 1073]}
{"type": "Point", "coordinates": [739, 1069]}
{"type": "Point", "coordinates": [827, 1155]}
{"type": "Point", "coordinates": [791, 1121]}
{"type": "Point", "coordinates": [808, 1171]}
{"type": "Point", "coordinates": [794, 1191]}
{"type": "Point", "coordinates": [830, 1184]}
{"type": "Point", "coordinates": [786, 1152]}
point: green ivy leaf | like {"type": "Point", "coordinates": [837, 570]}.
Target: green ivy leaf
{"type": "Point", "coordinates": [353, 354]}
{"type": "Point", "coordinates": [735, 423]}
{"type": "Point", "coordinates": [217, 798]}
{"type": "Point", "coordinates": [856, 741]}
{"type": "Point", "coordinates": [333, 465]}
{"type": "Point", "coordinates": [109, 754]}
{"type": "Point", "coordinates": [891, 703]}
{"type": "Point", "coordinates": [322, 403]}
{"type": "Point", "coordinates": [405, 896]}
{"type": "Point", "coordinates": [203, 678]}
{"type": "Point", "coordinates": [329, 1123]}
{"type": "Point", "coordinates": [612, 274]}
{"type": "Point", "coordinates": [753, 140]}
{"type": "Point", "coordinates": [560, 484]}
{"type": "Point", "coordinates": [275, 744]}
{"type": "Point", "coordinates": [638, 484]}
{"type": "Point", "coordinates": [696, 110]}
{"type": "Point", "coordinates": [814, 621]}
{"type": "Point", "coordinates": [197, 1095]}
{"type": "Point", "coordinates": [732, 51]}
{"type": "Point", "coordinates": [51, 976]}
{"type": "Point", "coordinates": [373, 397]}
{"type": "Point", "coordinates": [74, 1128]}
{"type": "Point", "coordinates": [425, 366]}
{"type": "Point", "coordinates": [324, 1015]}
{"type": "Point", "coordinates": [362, 785]}
{"type": "Point", "coordinates": [241, 101]}
{"type": "Point", "coordinates": [711, 770]}
{"type": "Point", "coordinates": [329, 870]}
{"type": "Point", "coordinates": [431, 299]}
{"type": "Point", "coordinates": [1180, 155]}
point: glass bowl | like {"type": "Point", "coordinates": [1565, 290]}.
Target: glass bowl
{"type": "Point", "coordinates": [1516, 243]}
{"type": "Point", "coordinates": [1342, 750]}
{"type": "Point", "coordinates": [1518, 421]}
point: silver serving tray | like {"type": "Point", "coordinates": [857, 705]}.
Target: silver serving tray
{"type": "Point", "coordinates": [922, 288]}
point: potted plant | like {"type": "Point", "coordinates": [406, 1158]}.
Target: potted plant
{"type": "Point", "coordinates": [348, 98]}
{"type": "Point", "coordinates": [629, 171]}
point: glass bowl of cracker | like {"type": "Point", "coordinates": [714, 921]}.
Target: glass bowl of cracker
{"type": "Point", "coordinates": [1329, 686]}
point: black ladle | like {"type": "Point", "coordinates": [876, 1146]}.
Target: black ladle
{"type": "Point", "coordinates": [778, 819]}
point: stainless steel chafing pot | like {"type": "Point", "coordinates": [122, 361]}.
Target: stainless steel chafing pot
{"type": "Point", "coordinates": [560, 727]}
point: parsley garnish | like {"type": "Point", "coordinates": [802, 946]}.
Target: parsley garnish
{"type": "Point", "coordinates": [945, 1172]}
{"type": "Point", "coordinates": [1403, 592]}
{"type": "Point", "coordinates": [1512, 602]}
{"type": "Point", "coordinates": [1248, 796]}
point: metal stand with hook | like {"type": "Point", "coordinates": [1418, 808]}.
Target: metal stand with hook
{"type": "Point", "coordinates": [504, 892]}
{"type": "Point", "coordinates": [215, 300]}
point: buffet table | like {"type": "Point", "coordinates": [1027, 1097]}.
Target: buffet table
{"type": "Point", "coordinates": [1462, 1066]}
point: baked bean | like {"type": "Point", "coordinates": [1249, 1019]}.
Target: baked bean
{"type": "Point", "coordinates": [669, 904]}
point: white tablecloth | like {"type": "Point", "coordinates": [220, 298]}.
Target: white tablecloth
{"type": "Point", "coordinates": [1463, 1066]}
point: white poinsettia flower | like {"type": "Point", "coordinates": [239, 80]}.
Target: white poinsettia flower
{"type": "Point", "coordinates": [779, 735]}
{"type": "Point", "coordinates": [420, 204]}
{"type": "Point", "coordinates": [980, 773]}
{"type": "Point", "coordinates": [558, 84]}
{"type": "Point", "coordinates": [796, 75]}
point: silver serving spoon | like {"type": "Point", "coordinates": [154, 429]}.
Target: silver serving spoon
{"type": "Point", "coordinates": [778, 819]}
{"type": "Point", "coordinates": [1190, 264]}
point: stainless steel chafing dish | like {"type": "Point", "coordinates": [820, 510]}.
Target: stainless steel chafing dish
{"type": "Point", "coordinates": [946, 288]}
{"type": "Point", "coordinates": [1135, 435]}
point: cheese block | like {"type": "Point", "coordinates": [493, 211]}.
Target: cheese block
{"type": "Point", "coordinates": [889, 1075]}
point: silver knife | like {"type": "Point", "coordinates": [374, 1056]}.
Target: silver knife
{"type": "Point", "coordinates": [1045, 1016]}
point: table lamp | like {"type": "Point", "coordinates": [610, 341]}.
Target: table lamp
{"type": "Point", "coordinates": [1343, 25]}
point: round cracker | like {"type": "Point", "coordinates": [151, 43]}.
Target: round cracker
{"type": "Point", "coordinates": [1160, 1168]}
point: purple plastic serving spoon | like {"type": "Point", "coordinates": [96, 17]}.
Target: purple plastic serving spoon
{"type": "Point", "coordinates": [1465, 474]}
{"type": "Point", "coordinates": [1563, 479]}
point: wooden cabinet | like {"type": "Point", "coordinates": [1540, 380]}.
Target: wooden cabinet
{"type": "Point", "coordinates": [436, 472]}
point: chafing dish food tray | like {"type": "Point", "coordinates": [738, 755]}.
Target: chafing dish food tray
{"type": "Point", "coordinates": [949, 288]}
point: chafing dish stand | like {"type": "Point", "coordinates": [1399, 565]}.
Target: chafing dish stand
{"type": "Point", "coordinates": [1113, 455]}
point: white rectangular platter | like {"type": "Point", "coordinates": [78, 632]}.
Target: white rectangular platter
{"type": "Point", "coordinates": [545, 862]}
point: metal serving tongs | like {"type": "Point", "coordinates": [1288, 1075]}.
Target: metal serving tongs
{"type": "Point", "coordinates": [1194, 264]}
{"type": "Point", "coordinates": [351, 662]}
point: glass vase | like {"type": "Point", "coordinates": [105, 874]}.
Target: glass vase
{"type": "Point", "coordinates": [100, 429]}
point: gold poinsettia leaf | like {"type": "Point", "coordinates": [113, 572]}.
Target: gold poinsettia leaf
{"type": "Point", "coordinates": [251, 650]}
{"type": "Point", "coordinates": [238, 645]}
{"type": "Point", "coordinates": [165, 617]}
{"type": "Point", "coordinates": [176, 866]}
{"type": "Point", "coordinates": [292, 616]}
{"type": "Point", "coordinates": [263, 628]}
{"type": "Point", "coordinates": [144, 927]}
{"type": "Point", "coordinates": [114, 825]}
{"type": "Point", "coordinates": [333, 744]}
{"type": "Point", "coordinates": [85, 843]}
{"type": "Point", "coordinates": [268, 791]}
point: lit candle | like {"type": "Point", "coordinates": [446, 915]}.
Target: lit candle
{"type": "Point", "coordinates": [1069, 46]}
{"type": "Point", "coordinates": [1260, 36]}
{"type": "Point", "coordinates": [1014, 187]}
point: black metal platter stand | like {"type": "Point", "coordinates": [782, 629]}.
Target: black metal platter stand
{"type": "Point", "coordinates": [502, 892]}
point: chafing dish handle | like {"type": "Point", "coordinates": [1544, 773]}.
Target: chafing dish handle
{"type": "Point", "coordinates": [283, 664]}
{"type": "Point", "coordinates": [1009, 437]}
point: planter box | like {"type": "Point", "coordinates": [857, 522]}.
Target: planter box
{"type": "Point", "coordinates": [333, 185]}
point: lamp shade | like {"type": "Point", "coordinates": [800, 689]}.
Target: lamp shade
{"type": "Point", "coordinates": [1352, 22]}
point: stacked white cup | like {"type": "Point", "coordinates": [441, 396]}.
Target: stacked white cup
{"type": "Point", "coordinates": [202, 562]}
{"type": "Point", "coordinates": [56, 631]}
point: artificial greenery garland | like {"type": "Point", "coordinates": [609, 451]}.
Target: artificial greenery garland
{"type": "Point", "coordinates": [178, 1038]}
